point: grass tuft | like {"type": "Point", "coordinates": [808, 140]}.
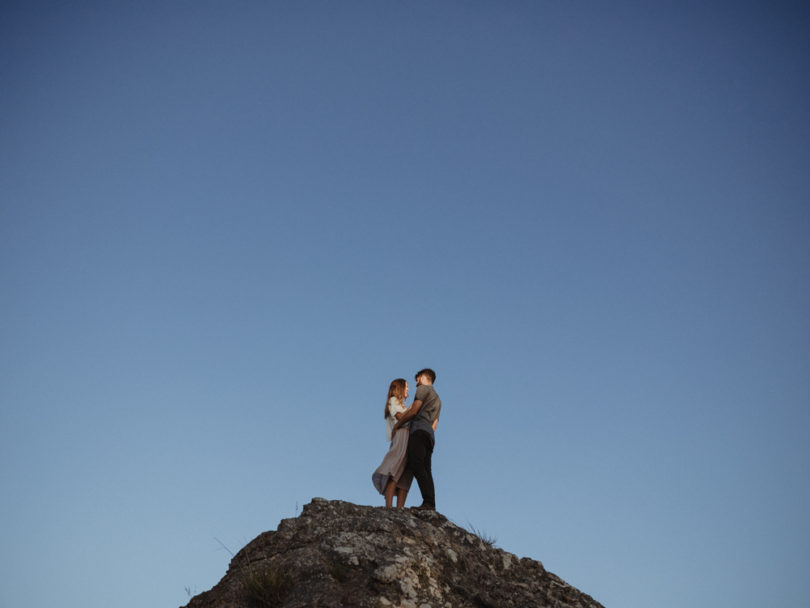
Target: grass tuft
{"type": "Point", "coordinates": [267, 588]}
{"type": "Point", "coordinates": [483, 536]}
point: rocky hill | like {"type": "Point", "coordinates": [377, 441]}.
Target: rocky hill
{"type": "Point", "coordinates": [339, 554]}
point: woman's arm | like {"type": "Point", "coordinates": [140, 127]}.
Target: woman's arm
{"type": "Point", "coordinates": [396, 408]}
{"type": "Point", "coordinates": [435, 424]}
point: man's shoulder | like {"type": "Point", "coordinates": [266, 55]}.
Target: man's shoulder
{"type": "Point", "coordinates": [425, 389]}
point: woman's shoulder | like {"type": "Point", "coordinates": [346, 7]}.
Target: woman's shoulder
{"type": "Point", "coordinates": [396, 404]}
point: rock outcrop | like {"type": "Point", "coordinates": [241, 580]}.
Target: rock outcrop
{"type": "Point", "coordinates": [339, 554]}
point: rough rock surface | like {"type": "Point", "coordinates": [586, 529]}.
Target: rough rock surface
{"type": "Point", "coordinates": [341, 554]}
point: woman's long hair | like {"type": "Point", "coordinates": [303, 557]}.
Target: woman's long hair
{"type": "Point", "coordinates": [397, 389]}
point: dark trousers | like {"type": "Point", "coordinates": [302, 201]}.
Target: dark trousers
{"type": "Point", "coordinates": [420, 452]}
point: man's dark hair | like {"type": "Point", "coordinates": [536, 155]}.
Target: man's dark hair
{"type": "Point", "coordinates": [428, 372]}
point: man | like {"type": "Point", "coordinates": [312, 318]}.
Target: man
{"type": "Point", "coordinates": [424, 417]}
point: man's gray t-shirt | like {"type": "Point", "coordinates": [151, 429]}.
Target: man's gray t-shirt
{"type": "Point", "coordinates": [431, 407]}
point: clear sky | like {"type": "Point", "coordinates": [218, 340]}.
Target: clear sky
{"type": "Point", "coordinates": [225, 227]}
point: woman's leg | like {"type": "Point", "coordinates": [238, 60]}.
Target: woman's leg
{"type": "Point", "coordinates": [401, 496]}
{"type": "Point", "coordinates": [389, 493]}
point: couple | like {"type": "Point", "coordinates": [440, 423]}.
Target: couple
{"type": "Point", "coordinates": [411, 433]}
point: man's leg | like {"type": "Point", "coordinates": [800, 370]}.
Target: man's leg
{"type": "Point", "coordinates": [420, 452]}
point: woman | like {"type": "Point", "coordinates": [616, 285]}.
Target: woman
{"type": "Point", "coordinates": [391, 475]}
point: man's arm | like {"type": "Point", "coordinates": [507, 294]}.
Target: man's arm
{"type": "Point", "coordinates": [409, 414]}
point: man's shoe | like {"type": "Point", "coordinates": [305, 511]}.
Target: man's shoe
{"type": "Point", "coordinates": [425, 507]}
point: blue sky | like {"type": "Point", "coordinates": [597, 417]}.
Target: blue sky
{"type": "Point", "coordinates": [226, 227]}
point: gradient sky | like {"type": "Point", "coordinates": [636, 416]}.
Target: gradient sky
{"type": "Point", "coordinates": [225, 227]}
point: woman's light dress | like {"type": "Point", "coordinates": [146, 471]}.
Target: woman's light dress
{"type": "Point", "coordinates": [393, 464]}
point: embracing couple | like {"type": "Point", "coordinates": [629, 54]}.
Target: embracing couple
{"type": "Point", "coordinates": [411, 433]}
